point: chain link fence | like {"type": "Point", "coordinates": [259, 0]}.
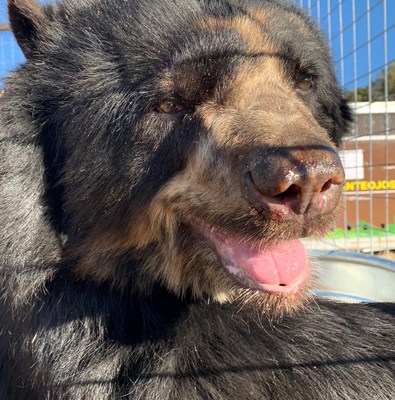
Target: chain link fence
{"type": "Point", "coordinates": [10, 54]}
{"type": "Point", "coordinates": [361, 34]}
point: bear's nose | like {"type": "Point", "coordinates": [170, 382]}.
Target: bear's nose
{"type": "Point", "coordinates": [296, 181]}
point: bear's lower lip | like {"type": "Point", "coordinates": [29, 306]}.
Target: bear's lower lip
{"type": "Point", "coordinates": [282, 267]}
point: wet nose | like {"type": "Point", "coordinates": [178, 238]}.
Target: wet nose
{"type": "Point", "coordinates": [293, 181]}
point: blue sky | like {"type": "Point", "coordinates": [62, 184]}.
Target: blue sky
{"type": "Point", "coordinates": [355, 67]}
{"type": "Point", "coordinates": [351, 71]}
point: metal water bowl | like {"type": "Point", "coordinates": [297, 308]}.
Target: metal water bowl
{"type": "Point", "coordinates": [354, 277]}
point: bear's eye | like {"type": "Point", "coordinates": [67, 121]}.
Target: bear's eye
{"type": "Point", "coordinates": [305, 85]}
{"type": "Point", "coordinates": [169, 107]}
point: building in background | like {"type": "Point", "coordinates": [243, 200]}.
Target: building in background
{"type": "Point", "coordinates": [368, 156]}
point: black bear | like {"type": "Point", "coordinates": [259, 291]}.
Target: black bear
{"type": "Point", "coordinates": [159, 162]}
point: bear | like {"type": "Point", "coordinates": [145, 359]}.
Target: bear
{"type": "Point", "coordinates": [160, 162]}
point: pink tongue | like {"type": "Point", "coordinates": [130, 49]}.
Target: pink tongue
{"type": "Point", "coordinates": [282, 264]}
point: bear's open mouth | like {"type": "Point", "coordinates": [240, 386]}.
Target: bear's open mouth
{"type": "Point", "coordinates": [282, 267]}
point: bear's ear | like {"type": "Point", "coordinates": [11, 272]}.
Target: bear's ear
{"type": "Point", "coordinates": [27, 19]}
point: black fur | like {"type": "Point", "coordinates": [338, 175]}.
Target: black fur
{"type": "Point", "coordinates": [84, 150]}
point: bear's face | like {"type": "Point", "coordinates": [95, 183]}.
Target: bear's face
{"type": "Point", "coordinates": [191, 145]}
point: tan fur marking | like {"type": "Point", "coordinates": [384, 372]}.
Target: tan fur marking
{"type": "Point", "coordinates": [249, 29]}
{"type": "Point", "coordinates": [255, 89]}
{"type": "Point", "coordinates": [166, 82]}
{"type": "Point", "coordinates": [179, 269]}
{"type": "Point", "coordinates": [260, 107]}
{"type": "Point", "coordinates": [261, 16]}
